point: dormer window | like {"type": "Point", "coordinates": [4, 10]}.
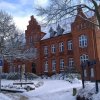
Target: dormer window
{"type": "Point", "coordinates": [59, 30]}
{"type": "Point", "coordinates": [52, 32]}
{"type": "Point", "coordinates": [83, 41]}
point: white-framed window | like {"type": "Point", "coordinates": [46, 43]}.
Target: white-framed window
{"type": "Point", "coordinates": [84, 58]}
{"type": "Point", "coordinates": [45, 50]}
{"type": "Point", "coordinates": [70, 45]}
{"type": "Point", "coordinates": [61, 64]}
{"type": "Point", "coordinates": [46, 66]}
{"type": "Point", "coordinates": [71, 62]}
{"type": "Point", "coordinates": [85, 73]}
{"type": "Point", "coordinates": [83, 41]}
{"type": "Point", "coordinates": [61, 46]}
{"type": "Point", "coordinates": [53, 65]}
{"type": "Point", "coordinates": [53, 48]}
{"type": "Point", "coordinates": [92, 72]}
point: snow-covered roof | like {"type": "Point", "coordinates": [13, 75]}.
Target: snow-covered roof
{"type": "Point", "coordinates": [65, 24]}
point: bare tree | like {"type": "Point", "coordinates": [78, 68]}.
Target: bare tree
{"type": "Point", "coordinates": [7, 29]}
{"type": "Point", "coordinates": [12, 42]}
{"type": "Point", "coordinates": [59, 9]}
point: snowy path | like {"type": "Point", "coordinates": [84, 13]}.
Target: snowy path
{"type": "Point", "coordinates": [53, 90]}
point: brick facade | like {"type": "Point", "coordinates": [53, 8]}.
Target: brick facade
{"type": "Point", "coordinates": [79, 27]}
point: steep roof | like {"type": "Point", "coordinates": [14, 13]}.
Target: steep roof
{"type": "Point", "coordinates": [65, 24]}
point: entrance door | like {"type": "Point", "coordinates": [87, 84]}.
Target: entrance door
{"type": "Point", "coordinates": [34, 68]}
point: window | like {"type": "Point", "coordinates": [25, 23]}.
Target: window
{"type": "Point", "coordinates": [53, 48]}
{"type": "Point", "coordinates": [45, 50]}
{"type": "Point", "coordinates": [83, 41]}
{"type": "Point", "coordinates": [61, 64]}
{"type": "Point", "coordinates": [69, 43]}
{"type": "Point", "coordinates": [84, 58]}
{"type": "Point", "coordinates": [92, 72]}
{"type": "Point", "coordinates": [53, 65]}
{"type": "Point", "coordinates": [70, 62]}
{"type": "Point", "coordinates": [85, 73]}
{"type": "Point", "coordinates": [46, 66]}
{"type": "Point", "coordinates": [61, 47]}
{"type": "Point", "coordinates": [31, 39]}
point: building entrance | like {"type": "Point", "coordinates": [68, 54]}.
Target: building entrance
{"type": "Point", "coordinates": [34, 68]}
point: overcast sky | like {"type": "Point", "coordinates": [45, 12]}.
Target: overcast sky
{"type": "Point", "coordinates": [21, 10]}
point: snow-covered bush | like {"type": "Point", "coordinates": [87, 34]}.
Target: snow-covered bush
{"type": "Point", "coordinates": [31, 76]}
{"type": "Point", "coordinates": [63, 76]}
{"type": "Point", "coordinates": [4, 75]}
{"type": "Point", "coordinates": [13, 76]}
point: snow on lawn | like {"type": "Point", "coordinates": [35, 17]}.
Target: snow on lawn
{"type": "Point", "coordinates": [4, 97]}
{"type": "Point", "coordinates": [54, 90]}
{"type": "Point", "coordinates": [90, 91]}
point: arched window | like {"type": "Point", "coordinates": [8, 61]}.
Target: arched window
{"type": "Point", "coordinates": [84, 58]}
{"type": "Point", "coordinates": [83, 41]}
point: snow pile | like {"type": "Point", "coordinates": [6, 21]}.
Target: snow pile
{"type": "Point", "coordinates": [4, 97]}
{"type": "Point", "coordinates": [89, 91]}
{"type": "Point", "coordinates": [96, 96]}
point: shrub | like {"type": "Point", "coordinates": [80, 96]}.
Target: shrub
{"type": "Point", "coordinates": [13, 76]}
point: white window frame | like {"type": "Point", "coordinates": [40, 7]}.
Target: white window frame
{"type": "Point", "coordinates": [71, 62]}
{"type": "Point", "coordinates": [85, 73]}
{"type": "Point", "coordinates": [84, 58]}
{"type": "Point", "coordinates": [92, 72]}
{"type": "Point", "coordinates": [45, 50]}
{"type": "Point", "coordinates": [70, 45]}
{"type": "Point", "coordinates": [53, 65]}
{"type": "Point", "coordinates": [46, 66]}
{"type": "Point", "coordinates": [83, 41]}
{"type": "Point", "coordinates": [61, 64]}
{"type": "Point", "coordinates": [53, 48]}
{"type": "Point", "coordinates": [61, 46]}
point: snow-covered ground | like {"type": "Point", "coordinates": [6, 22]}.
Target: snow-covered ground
{"type": "Point", "coordinates": [48, 89]}
{"type": "Point", "coordinates": [52, 89]}
{"type": "Point", "coordinates": [90, 91]}
{"type": "Point", "coordinates": [4, 97]}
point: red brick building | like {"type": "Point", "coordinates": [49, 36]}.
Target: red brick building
{"type": "Point", "coordinates": [64, 45]}
{"type": "Point", "coordinates": [61, 47]}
